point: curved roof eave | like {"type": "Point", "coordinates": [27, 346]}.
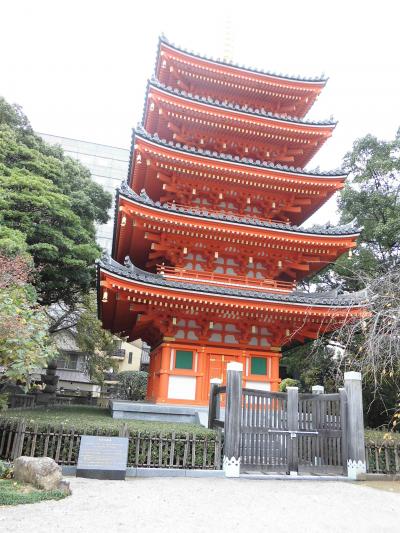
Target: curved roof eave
{"type": "Point", "coordinates": [347, 230]}
{"type": "Point", "coordinates": [132, 273]}
{"type": "Point", "coordinates": [309, 80]}
{"type": "Point", "coordinates": [235, 108]}
{"type": "Point", "coordinates": [235, 160]}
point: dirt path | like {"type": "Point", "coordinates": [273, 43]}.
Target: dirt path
{"type": "Point", "coordinates": [209, 505]}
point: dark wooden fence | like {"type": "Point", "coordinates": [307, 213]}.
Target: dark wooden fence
{"type": "Point", "coordinates": [22, 401]}
{"type": "Point", "coordinates": [156, 451]}
{"type": "Point", "coordinates": [383, 459]}
{"type": "Point", "coordinates": [30, 401]}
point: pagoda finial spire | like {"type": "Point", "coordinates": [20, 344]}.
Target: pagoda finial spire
{"type": "Point", "coordinates": [228, 38]}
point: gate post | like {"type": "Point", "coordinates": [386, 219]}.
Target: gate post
{"type": "Point", "coordinates": [343, 426]}
{"type": "Point", "coordinates": [293, 426]}
{"type": "Point", "coordinates": [356, 465]}
{"type": "Point", "coordinates": [233, 405]}
{"type": "Point", "coordinates": [316, 419]}
{"type": "Point", "coordinates": [213, 402]}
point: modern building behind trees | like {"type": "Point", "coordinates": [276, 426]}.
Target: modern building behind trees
{"type": "Point", "coordinates": [108, 166]}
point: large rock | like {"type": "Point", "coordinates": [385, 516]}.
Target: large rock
{"type": "Point", "coordinates": [42, 472]}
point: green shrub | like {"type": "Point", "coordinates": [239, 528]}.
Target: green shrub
{"type": "Point", "coordinates": [132, 385]}
{"type": "Point", "coordinates": [92, 420]}
{"type": "Point", "coordinates": [288, 382]}
{"type": "Point", "coordinates": [374, 437]}
{"type": "Point", "coordinates": [6, 470]}
{"type": "Point", "coordinates": [14, 493]}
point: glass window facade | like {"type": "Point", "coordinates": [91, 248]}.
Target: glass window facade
{"type": "Point", "coordinates": [108, 166]}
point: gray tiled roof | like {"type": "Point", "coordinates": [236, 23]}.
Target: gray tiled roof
{"type": "Point", "coordinates": [141, 132]}
{"type": "Point", "coordinates": [317, 79]}
{"type": "Point", "coordinates": [131, 272]}
{"type": "Point", "coordinates": [236, 107]}
{"type": "Point", "coordinates": [144, 199]}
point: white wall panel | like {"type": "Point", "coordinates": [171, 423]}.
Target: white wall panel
{"type": "Point", "coordinates": [182, 388]}
{"type": "Point", "coordinates": [258, 385]}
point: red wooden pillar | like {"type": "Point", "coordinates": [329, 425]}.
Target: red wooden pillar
{"type": "Point", "coordinates": [151, 378]}
{"type": "Point", "coordinates": [275, 358]}
{"type": "Point", "coordinates": [201, 373]}
{"type": "Point", "coordinates": [243, 359]}
{"type": "Point", "coordinates": [164, 373]}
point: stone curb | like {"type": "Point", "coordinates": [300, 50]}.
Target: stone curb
{"type": "Point", "coordinates": [284, 477]}
{"type": "Point", "coordinates": [158, 472]}
{"type": "Point", "coordinates": [382, 477]}
{"type": "Point", "coordinates": [197, 473]}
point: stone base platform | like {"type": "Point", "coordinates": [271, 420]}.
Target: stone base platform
{"type": "Point", "coordinates": [125, 409]}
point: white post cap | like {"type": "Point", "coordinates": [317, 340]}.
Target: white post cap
{"type": "Point", "coordinates": [217, 381]}
{"type": "Point", "coordinates": [237, 367]}
{"type": "Point", "coordinates": [352, 376]}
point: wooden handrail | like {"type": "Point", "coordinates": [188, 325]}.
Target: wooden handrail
{"type": "Point", "coordinates": [212, 211]}
{"type": "Point", "coordinates": [182, 274]}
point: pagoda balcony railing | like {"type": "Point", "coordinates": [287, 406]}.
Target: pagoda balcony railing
{"type": "Point", "coordinates": [211, 211]}
{"type": "Point", "coordinates": [225, 280]}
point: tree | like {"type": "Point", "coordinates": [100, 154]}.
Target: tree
{"type": "Point", "coordinates": [312, 364]}
{"type": "Point", "coordinates": [372, 197]}
{"type": "Point", "coordinates": [52, 200]}
{"type": "Point", "coordinates": [371, 345]}
{"type": "Point", "coordinates": [15, 264]}
{"type": "Point", "coordinates": [93, 340]}
{"type": "Point", "coordinates": [12, 242]}
{"type": "Point", "coordinates": [63, 250]}
{"type": "Point", "coordinates": [25, 344]}
{"type": "Point", "coordinates": [49, 207]}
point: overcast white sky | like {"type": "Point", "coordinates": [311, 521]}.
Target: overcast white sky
{"type": "Point", "coordinates": [79, 68]}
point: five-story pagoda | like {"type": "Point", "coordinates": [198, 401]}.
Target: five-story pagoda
{"type": "Point", "coordinates": [207, 246]}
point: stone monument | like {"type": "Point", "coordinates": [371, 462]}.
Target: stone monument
{"type": "Point", "coordinates": [50, 382]}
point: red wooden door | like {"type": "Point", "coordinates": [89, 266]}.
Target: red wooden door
{"type": "Point", "coordinates": [218, 365]}
{"type": "Point", "coordinates": [215, 366]}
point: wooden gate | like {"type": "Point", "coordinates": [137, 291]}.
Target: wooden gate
{"type": "Point", "coordinates": [291, 432]}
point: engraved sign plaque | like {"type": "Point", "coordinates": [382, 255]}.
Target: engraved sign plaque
{"type": "Point", "coordinates": [102, 457]}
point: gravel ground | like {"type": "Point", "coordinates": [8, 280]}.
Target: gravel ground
{"type": "Point", "coordinates": [207, 505]}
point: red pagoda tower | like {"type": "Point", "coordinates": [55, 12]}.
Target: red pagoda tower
{"type": "Point", "coordinates": [207, 246]}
